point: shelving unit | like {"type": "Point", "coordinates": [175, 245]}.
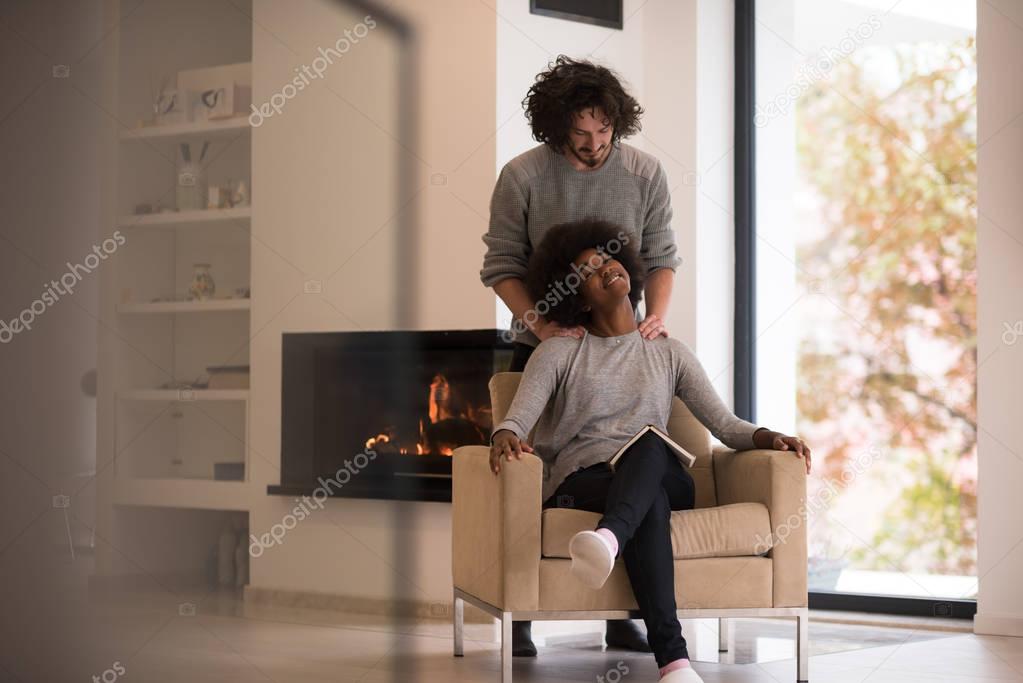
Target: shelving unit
{"type": "Point", "coordinates": [157, 448]}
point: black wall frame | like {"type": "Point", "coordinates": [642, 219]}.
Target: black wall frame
{"type": "Point", "coordinates": [745, 349]}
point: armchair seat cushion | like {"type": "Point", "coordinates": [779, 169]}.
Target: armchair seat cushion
{"type": "Point", "coordinates": [739, 529]}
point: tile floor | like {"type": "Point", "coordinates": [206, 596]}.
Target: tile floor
{"type": "Point", "coordinates": [53, 629]}
{"type": "Point", "coordinates": [229, 640]}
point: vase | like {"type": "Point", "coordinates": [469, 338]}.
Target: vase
{"type": "Point", "coordinates": [202, 287]}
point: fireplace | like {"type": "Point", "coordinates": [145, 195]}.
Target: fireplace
{"type": "Point", "coordinates": [378, 414]}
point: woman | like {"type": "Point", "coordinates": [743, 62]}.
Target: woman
{"type": "Point", "coordinates": [587, 396]}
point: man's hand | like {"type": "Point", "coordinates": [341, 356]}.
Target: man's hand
{"type": "Point", "coordinates": [550, 329]}
{"type": "Point", "coordinates": [506, 444]}
{"type": "Point", "coordinates": [652, 327]}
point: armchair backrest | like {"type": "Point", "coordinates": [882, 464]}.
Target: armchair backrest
{"type": "Point", "coordinates": [682, 426]}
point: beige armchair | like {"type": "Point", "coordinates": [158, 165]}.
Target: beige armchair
{"type": "Point", "coordinates": [740, 553]}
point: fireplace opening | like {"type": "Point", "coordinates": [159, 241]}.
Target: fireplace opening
{"type": "Point", "coordinates": [404, 400]}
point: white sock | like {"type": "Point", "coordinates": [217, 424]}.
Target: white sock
{"type": "Point", "coordinates": [686, 674]}
{"type": "Point", "coordinates": [592, 558]}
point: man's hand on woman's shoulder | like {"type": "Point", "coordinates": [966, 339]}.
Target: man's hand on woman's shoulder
{"type": "Point", "coordinates": [653, 327]}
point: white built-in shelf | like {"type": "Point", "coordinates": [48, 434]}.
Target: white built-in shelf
{"type": "Point", "coordinates": [176, 131]}
{"type": "Point", "coordinates": [184, 395]}
{"type": "Point", "coordinates": [198, 494]}
{"type": "Point", "coordinates": [173, 219]}
{"type": "Point", "coordinates": [209, 306]}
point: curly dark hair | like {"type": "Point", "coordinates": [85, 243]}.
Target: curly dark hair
{"type": "Point", "coordinates": [569, 86]}
{"type": "Point", "coordinates": [551, 263]}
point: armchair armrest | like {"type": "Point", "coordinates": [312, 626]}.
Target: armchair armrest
{"type": "Point", "coordinates": [778, 480]}
{"type": "Point", "coordinates": [495, 528]}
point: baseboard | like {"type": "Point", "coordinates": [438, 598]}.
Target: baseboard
{"type": "Point", "coordinates": [988, 624]}
{"type": "Point", "coordinates": [404, 608]}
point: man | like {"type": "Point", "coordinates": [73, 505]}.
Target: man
{"type": "Point", "coordinates": [580, 112]}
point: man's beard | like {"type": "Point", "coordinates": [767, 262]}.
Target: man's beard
{"type": "Point", "coordinates": [591, 161]}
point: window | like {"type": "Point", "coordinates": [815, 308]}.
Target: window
{"type": "Point", "coordinates": [864, 340]}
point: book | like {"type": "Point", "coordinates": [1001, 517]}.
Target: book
{"type": "Point", "coordinates": [684, 456]}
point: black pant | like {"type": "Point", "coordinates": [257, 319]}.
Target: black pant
{"type": "Point", "coordinates": [636, 502]}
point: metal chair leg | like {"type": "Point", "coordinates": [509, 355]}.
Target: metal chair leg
{"type": "Point", "coordinates": [506, 647]}
{"type": "Point", "coordinates": [459, 625]}
{"type": "Point", "coordinates": [803, 646]}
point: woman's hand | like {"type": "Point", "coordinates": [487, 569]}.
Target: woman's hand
{"type": "Point", "coordinates": [777, 441]}
{"type": "Point", "coordinates": [552, 329]}
{"type": "Point", "coordinates": [652, 327]}
{"type": "Point", "coordinates": [506, 443]}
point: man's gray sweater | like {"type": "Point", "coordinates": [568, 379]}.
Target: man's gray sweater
{"type": "Point", "coordinates": [540, 189]}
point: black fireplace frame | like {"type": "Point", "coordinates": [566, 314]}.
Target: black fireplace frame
{"type": "Point", "coordinates": [390, 477]}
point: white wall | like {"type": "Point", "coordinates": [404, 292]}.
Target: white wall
{"type": "Point", "coordinates": [1000, 283]}
{"type": "Point", "coordinates": [325, 203]}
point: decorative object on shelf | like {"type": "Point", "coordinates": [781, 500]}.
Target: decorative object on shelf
{"type": "Point", "coordinates": [222, 101]}
{"type": "Point", "coordinates": [239, 193]}
{"type": "Point", "coordinates": [170, 105]}
{"type": "Point", "coordinates": [216, 198]}
{"type": "Point", "coordinates": [228, 376]}
{"type": "Point", "coordinates": [203, 287]}
{"type": "Point", "coordinates": [150, 208]}
{"type": "Point", "coordinates": [229, 471]}
{"type": "Point", "coordinates": [191, 179]}
{"type": "Point", "coordinates": [234, 194]}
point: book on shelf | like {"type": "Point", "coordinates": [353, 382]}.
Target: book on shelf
{"type": "Point", "coordinates": [228, 376]}
{"type": "Point", "coordinates": [684, 456]}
